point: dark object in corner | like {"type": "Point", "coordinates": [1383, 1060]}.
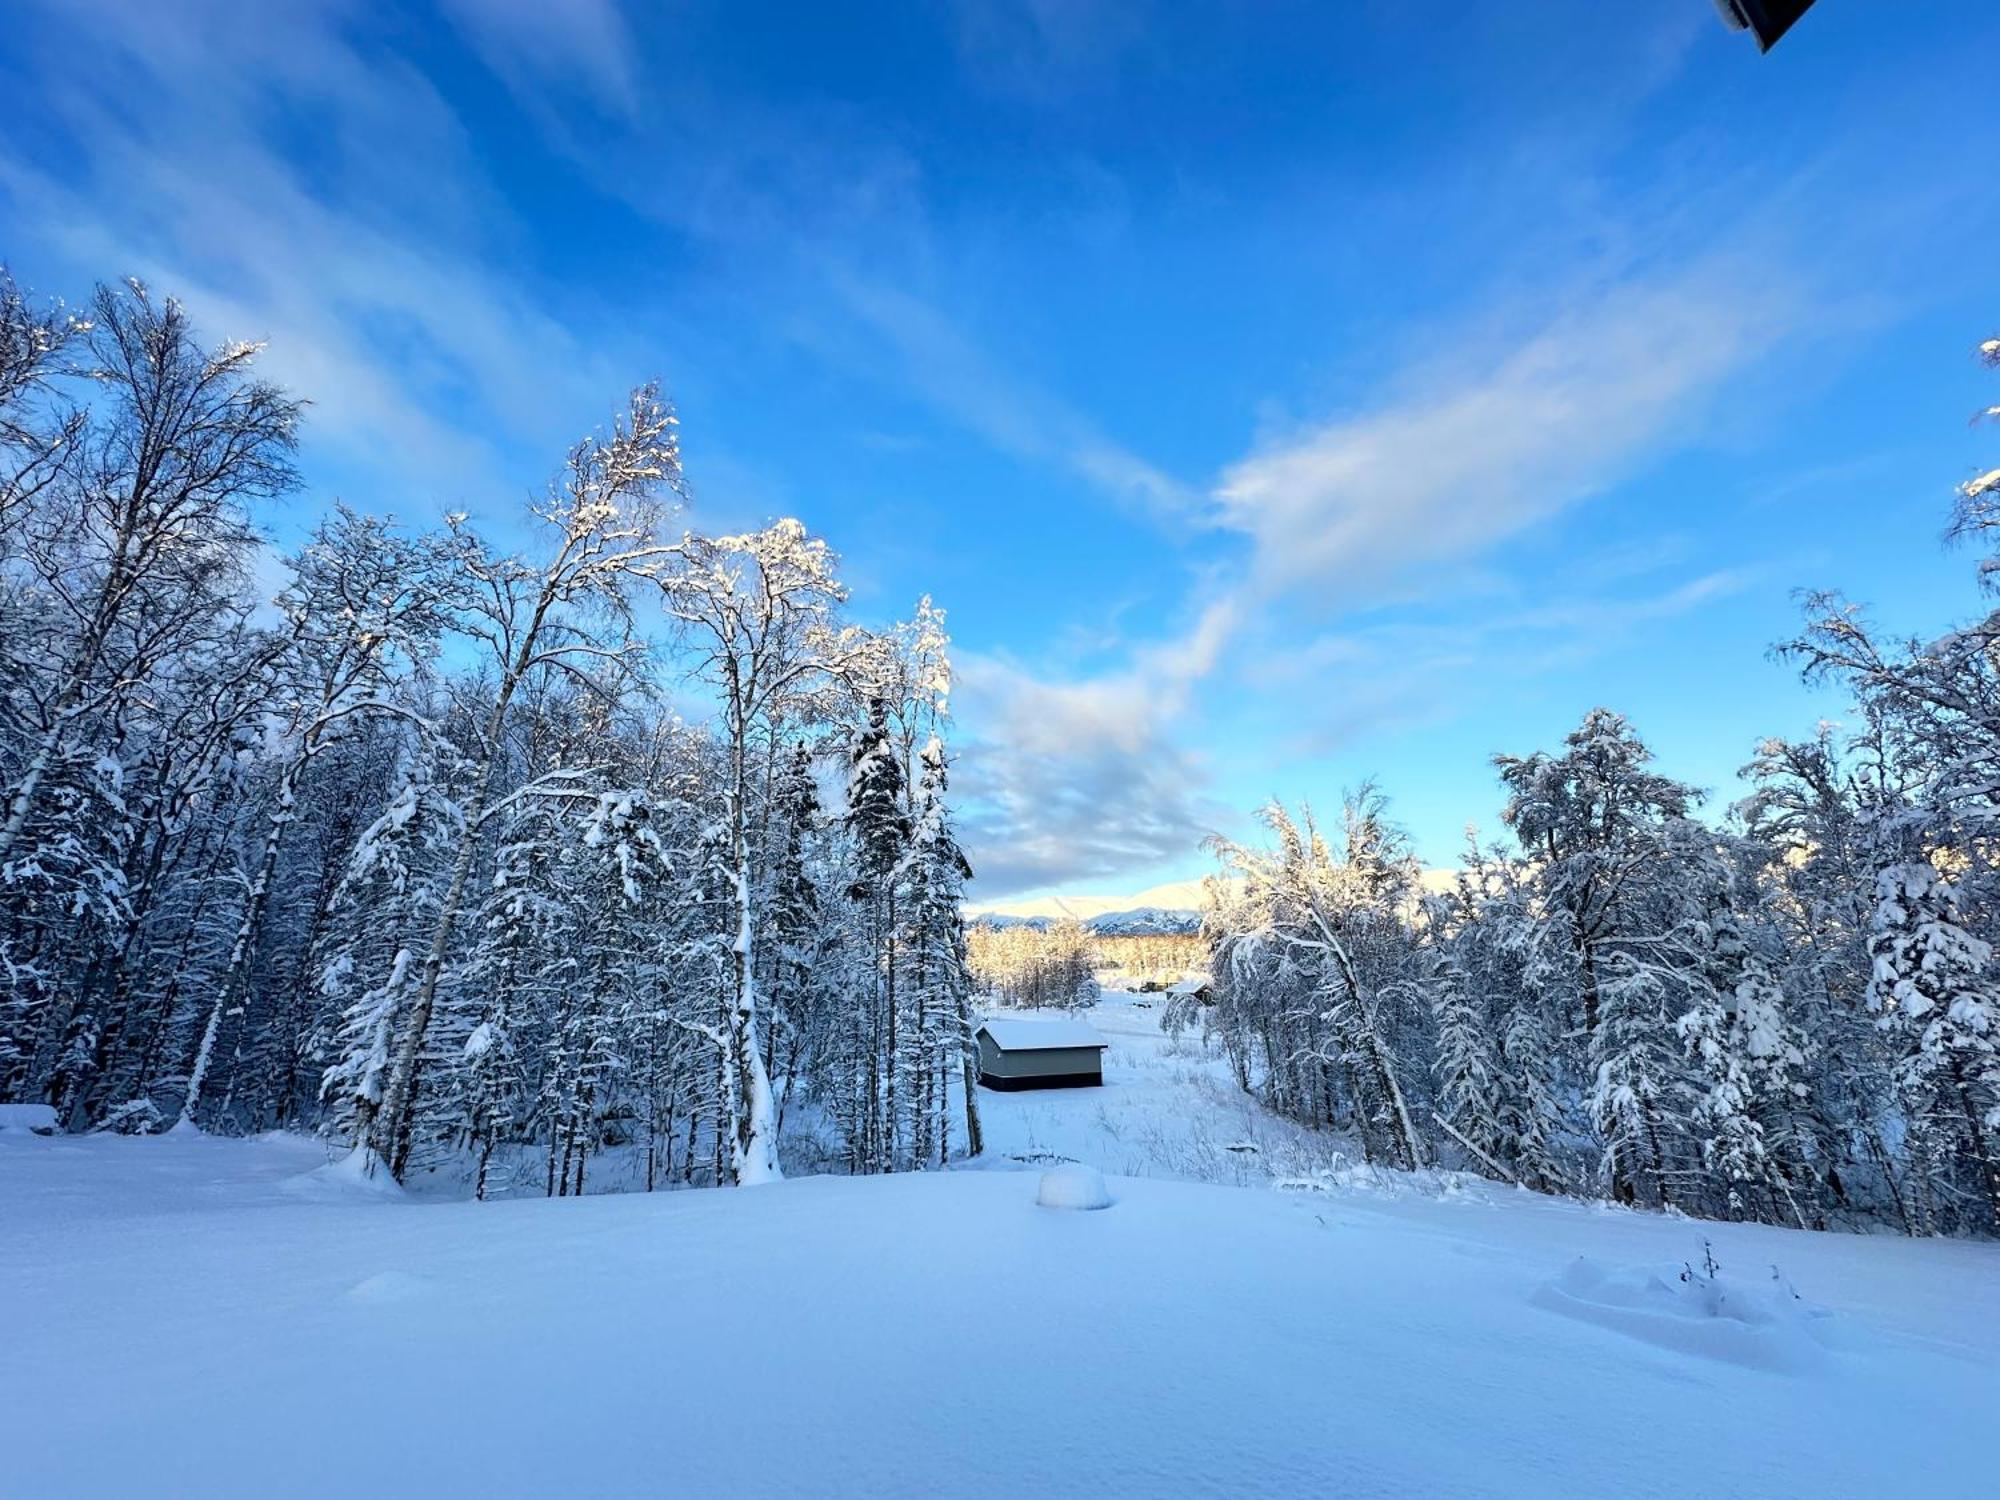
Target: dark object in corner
{"type": "Point", "coordinates": [1767, 20]}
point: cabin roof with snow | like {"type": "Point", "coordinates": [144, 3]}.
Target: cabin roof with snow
{"type": "Point", "coordinates": [1194, 984]}
{"type": "Point", "coordinates": [1017, 1034]}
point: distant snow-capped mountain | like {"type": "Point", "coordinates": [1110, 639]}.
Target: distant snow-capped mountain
{"type": "Point", "coordinates": [1176, 896]}
{"type": "Point", "coordinates": [1139, 921]}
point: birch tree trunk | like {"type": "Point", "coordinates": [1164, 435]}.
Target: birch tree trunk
{"type": "Point", "coordinates": [754, 1149]}
{"type": "Point", "coordinates": [249, 927]}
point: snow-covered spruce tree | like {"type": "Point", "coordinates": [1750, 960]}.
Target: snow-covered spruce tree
{"type": "Point", "coordinates": [908, 668]}
{"type": "Point", "coordinates": [488, 1090]}
{"type": "Point", "coordinates": [1746, 1056]}
{"type": "Point", "coordinates": [1535, 1118]}
{"type": "Point", "coordinates": [939, 974]}
{"type": "Point", "coordinates": [680, 1026]}
{"type": "Point", "coordinates": [1467, 1068]}
{"type": "Point", "coordinates": [533, 619]}
{"type": "Point", "coordinates": [1933, 990]}
{"type": "Point", "coordinates": [1597, 827]}
{"type": "Point", "coordinates": [619, 873]}
{"type": "Point", "coordinates": [880, 828]}
{"type": "Point", "coordinates": [793, 923]}
{"type": "Point", "coordinates": [1820, 823]}
{"type": "Point", "coordinates": [1518, 969]}
{"type": "Point", "coordinates": [1634, 1091]}
{"type": "Point", "coordinates": [514, 980]}
{"type": "Point", "coordinates": [395, 881]}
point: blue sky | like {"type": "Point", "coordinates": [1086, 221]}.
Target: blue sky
{"type": "Point", "coordinates": [1274, 395]}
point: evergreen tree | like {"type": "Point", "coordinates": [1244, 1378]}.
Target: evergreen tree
{"type": "Point", "coordinates": [394, 881]}
{"type": "Point", "coordinates": [880, 829]}
{"type": "Point", "coordinates": [1933, 993]}
{"type": "Point", "coordinates": [942, 977]}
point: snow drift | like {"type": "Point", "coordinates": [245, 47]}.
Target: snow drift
{"type": "Point", "coordinates": [179, 1321]}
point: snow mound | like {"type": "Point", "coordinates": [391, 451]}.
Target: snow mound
{"type": "Point", "coordinates": [359, 1174]}
{"type": "Point", "coordinates": [40, 1119]}
{"type": "Point", "coordinates": [1073, 1185]}
{"type": "Point", "coordinates": [1340, 1174]}
{"type": "Point", "coordinates": [1196, 1327]}
{"type": "Point", "coordinates": [1766, 1326]}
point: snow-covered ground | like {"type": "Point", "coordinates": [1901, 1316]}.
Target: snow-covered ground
{"type": "Point", "coordinates": [197, 1316]}
{"type": "Point", "coordinates": [1169, 1108]}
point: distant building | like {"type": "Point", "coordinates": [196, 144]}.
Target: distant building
{"type": "Point", "coordinates": [1017, 1053]}
{"type": "Point", "coordinates": [1193, 990]}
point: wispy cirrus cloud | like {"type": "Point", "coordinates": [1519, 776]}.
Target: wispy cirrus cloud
{"type": "Point", "coordinates": [581, 50]}
{"type": "Point", "coordinates": [373, 262]}
{"type": "Point", "coordinates": [1469, 450]}
{"type": "Point", "coordinates": [960, 379]}
{"type": "Point", "coordinates": [1497, 432]}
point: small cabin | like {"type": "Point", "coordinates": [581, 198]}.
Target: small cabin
{"type": "Point", "coordinates": [1196, 989]}
{"type": "Point", "coordinates": [1017, 1053]}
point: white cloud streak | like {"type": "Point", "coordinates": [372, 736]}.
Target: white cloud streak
{"type": "Point", "coordinates": [1473, 449]}
{"type": "Point", "coordinates": [370, 261]}
{"type": "Point", "coordinates": [580, 50]}
{"type": "Point", "coordinates": [1479, 445]}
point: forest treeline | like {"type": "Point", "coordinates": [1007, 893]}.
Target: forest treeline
{"type": "Point", "coordinates": [414, 850]}
{"type": "Point", "coordinates": [1788, 1011]}
{"type": "Point", "coordinates": [1055, 964]}
{"type": "Point", "coordinates": [416, 853]}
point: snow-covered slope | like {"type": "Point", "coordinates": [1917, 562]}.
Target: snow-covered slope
{"type": "Point", "coordinates": [191, 1315]}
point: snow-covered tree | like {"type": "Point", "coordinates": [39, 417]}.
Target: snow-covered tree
{"type": "Point", "coordinates": [534, 620]}
{"type": "Point", "coordinates": [1747, 1057]}
{"type": "Point", "coordinates": [939, 975]}
{"type": "Point", "coordinates": [757, 611]}
{"type": "Point", "coordinates": [361, 602]}
{"type": "Point", "coordinates": [1471, 1076]}
{"type": "Point", "coordinates": [140, 537]}
{"type": "Point", "coordinates": [1932, 988]}
{"type": "Point", "coordinates": [39, 430]}
{"type": "Point", "coordinates": [1314, 961]}
{"type": "Point", "coordinates": [879, 825]}
{"type": "Point", "coordinates": [396, 879]}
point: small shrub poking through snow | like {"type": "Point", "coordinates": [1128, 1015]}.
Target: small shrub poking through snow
{"type": "Point", "coordinates": [1073, 1185]}
{"type": "Point", "coordinates": [1700, 1311]}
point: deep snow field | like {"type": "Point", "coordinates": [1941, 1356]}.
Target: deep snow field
{"type": "Point", "coordinates": [184, 1315]}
